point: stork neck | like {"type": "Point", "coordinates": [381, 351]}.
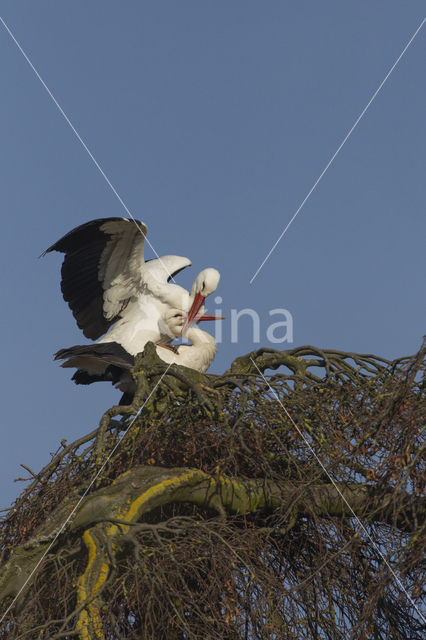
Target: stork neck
{"type": "Point", "coordinates": [171, 294]}
{"type": "Point", "coordinates": [198, 337]}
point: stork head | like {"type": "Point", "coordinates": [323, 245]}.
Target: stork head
{"type": "Point", "coordinates": [173, 321]}
{"type": "Point", "coordinates": [204, 284]}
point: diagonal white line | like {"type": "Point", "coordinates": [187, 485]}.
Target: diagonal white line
{"type": "Point", "coordinates": [80, 139]}
{"type": "Point", "coordinates": [95, 477]}
{"type": "Point", "coordinates": [377, 549]}
{"type": "Point", "coordinates": [329, 163]}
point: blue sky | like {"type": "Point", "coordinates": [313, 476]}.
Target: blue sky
{"type": "Point", "coordinates": [212, 120]}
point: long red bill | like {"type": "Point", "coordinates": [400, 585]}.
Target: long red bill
{"type": "Point", "coordinates": [195, 307]}
{"type": "Point", "coordinates": [206, 316]}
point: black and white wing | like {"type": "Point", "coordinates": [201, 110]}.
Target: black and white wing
{"type": "Point", "coordinates": [101, 271]}
{"type": "Point", "coordinates": [96, 357]}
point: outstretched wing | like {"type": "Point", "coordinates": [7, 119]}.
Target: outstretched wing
{"type": "Point", "coordinates": [101, 270]}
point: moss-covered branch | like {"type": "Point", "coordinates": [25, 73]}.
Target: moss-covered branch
{"type": "Point", "coordinates": [206, 511]}
{"type": "Point", "coordinates": [144, 488]}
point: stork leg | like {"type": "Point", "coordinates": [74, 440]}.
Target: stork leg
{"type": "Point", "coordinates": [208, 389]}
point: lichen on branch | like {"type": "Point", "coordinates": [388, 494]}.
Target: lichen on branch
{"type": "Point", "coordinates": [211, 515]}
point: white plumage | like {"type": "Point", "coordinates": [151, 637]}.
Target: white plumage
{"type": "Point", "coordinates": [198, 355]}
{"type": "Point", "coordinates": [111, 290]}
{"type": "Point", "coordinates": [105, 280]}
{"type": "Point", "coordinates": [109, 361]}
{"type": "Point", "coordinates": [146, 318]}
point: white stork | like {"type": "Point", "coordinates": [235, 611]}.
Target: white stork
{"type": "Point", "coordinates": [105, 280]}
{"type": "Point", "coordinates": [109, 361]}
{"type": "Point", "coordinates": [146, 318]}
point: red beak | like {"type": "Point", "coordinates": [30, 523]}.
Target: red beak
{"type": "Point", "coordinates": [198, 301]}
{"type": "Point", "coordinates": [206, 316]}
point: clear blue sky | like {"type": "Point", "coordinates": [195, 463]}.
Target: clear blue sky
{"type": "Point", "coordinates": [212, 120]}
